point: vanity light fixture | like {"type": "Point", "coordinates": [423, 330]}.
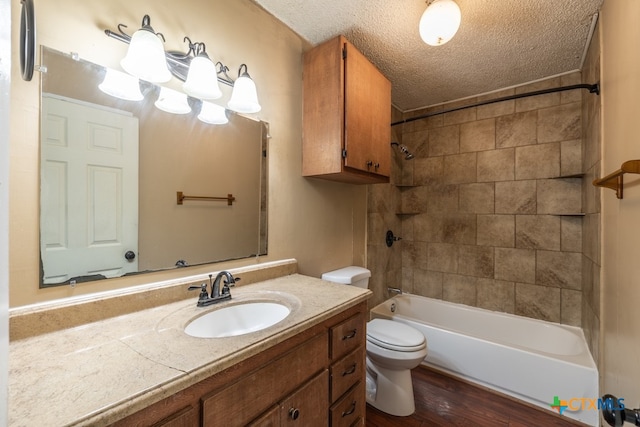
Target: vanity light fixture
{"type": "Point", "coordinates": [244, 98]}
{"type": "Point", "coordinates": [202, 78]}
{"type": "Point", "coordinates": [439, 22]}
{"type": "Point", "coordinates": [121, 85]}
{"type": "Point", "coordinates": [145, 57]}
{"type": "Point", "coordinates": [172, 101]}
{"type": "Point", "coordinates": [194, 68]}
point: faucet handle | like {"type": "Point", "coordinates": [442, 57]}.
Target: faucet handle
{"type": "Point", "coordinates": [231, 282]}
{"type": "Point", "coordinates": [202, 288]}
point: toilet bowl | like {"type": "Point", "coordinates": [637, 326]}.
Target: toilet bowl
{"type": "Point", "coordinates": [393, 349]}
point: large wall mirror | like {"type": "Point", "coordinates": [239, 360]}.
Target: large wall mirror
{"type": "Point", "coordinates": [112, 172]}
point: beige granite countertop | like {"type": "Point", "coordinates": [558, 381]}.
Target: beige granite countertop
{"type": "Point", "coordinates": [97, 373]}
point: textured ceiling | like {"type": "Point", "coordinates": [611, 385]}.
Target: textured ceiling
{"type": "Point", "coordinates": [500, 43]}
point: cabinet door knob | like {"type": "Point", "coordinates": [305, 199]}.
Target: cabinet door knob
{"type": "Point", "coordinates": [294, 413]}
{"type": "Point", "coordinates": [369, 163]}
{"type": "Point", "coordinates": [376, 165]}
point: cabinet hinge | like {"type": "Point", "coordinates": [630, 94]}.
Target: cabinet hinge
{"type": "Point", "coordinates": [344, 154]}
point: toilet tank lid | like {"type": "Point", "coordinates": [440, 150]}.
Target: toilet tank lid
{"type": "Point", "coordinates": [347, 275]}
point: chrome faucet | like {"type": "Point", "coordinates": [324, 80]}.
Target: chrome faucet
{"type": "Point", "coordinates": [396, 291]}
{"type": "Point", "coordinates": [217, 294]}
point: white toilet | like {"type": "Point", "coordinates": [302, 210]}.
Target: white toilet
{"type": "Point", "coordinates": [393, 349]}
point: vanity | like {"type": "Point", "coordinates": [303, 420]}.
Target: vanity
{"type": "Point", "coordinates": [140, 368]}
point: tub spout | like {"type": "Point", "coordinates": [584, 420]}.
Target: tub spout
{"type": "Point", "coordinates": [393, 290]}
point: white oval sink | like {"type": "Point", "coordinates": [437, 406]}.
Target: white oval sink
{"type": "Point", "coordinates": [237, 319]}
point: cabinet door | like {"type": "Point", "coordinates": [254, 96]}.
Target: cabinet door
{"type": "Point", "coordinates": [367, 115]}
{"type": "Point", "coordinates": [308, 407]}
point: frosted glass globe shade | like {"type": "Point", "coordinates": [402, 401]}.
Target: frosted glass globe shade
{"type": "Point", "coordinates": [440, 22]}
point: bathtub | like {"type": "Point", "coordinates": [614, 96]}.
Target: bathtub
{"type": "Point", "coordinates": [528, 359]}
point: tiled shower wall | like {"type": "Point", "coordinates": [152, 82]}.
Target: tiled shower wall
{"type": "Point", "coordinates": [591, 202]}
{"type": "Point", "coordinates": [489, 209]}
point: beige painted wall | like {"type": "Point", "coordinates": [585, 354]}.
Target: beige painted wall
{"type": "Point", "coordinates": [322, 224]}
{"type": "Point", "coordinates": [621, 218]}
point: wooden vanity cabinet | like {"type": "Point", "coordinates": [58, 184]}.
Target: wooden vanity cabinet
{"type": "Point", "coordinates": [346, 116]}
{"type": "Point", "coordinates": [315, 378]}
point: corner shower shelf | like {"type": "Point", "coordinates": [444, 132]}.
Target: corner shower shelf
{"type": "Point", "coordinates": [615, 180]}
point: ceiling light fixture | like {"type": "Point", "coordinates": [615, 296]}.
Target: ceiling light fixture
{"type": "Point", "coordinates": [194, 68]}
{"type": "Point", "coordinates": [439, 22]}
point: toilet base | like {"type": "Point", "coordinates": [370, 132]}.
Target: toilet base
{"type": "Point", "coordinates": [394, 390]}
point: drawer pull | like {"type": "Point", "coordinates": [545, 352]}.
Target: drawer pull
{"type": "Point", "coordinates": [351, 370]}
{"type": "Point", "coordinates": [350, 335]}
{"type": "Point", "coordinates": [294, 413]}
{"type": "Point", "coordinates": [351, 410]}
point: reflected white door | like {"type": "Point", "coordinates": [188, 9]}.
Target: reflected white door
{"type": "Point", "coordinates": [89, 191]}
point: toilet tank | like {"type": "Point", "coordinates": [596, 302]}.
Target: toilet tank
{"type": "Point", "coordinates": [352, 275]}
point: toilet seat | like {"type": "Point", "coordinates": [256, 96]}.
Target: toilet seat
{"type": "Point", "coordinates": [395, 336]}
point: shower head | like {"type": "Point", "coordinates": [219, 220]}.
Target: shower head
{"type": "Point", "coordinates": [407, 154]}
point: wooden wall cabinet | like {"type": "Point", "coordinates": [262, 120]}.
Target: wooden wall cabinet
{"type": "Point", "coordinates": [316, 378]}
{"type": "Point", "coordinates": [346, 116]}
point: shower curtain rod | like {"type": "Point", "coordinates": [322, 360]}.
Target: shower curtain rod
{"type": "Point", "coordinates": [594, 88]}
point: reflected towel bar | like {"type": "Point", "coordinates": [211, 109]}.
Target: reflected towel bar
{"type": "Point", "coordinates": [181, 197]}
{"type": "Point", "coordinates": [615, 180]}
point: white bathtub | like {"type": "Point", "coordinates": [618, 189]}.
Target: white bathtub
{"type": "Point", "coordinates": [528, 359]}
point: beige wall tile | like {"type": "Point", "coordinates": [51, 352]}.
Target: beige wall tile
{"type": "Point", "coordinates": [442, 257]}
{"type": "Point", "coordinates": [476, 198]}
{"type": "Point", "coordinates": [538, 161]}
{"type": "Point", "coordinates": [560, 123]}
{"type": "Point", "coordinates": [478, 136]}
{"type": "Point", "coordinates": [515, 265]}
{"type": "Point", "coordinates": [559, 196]}
{"type": "Point", "coordinates": [559, 269]}
{"type": "Point", "coordinates": [571, 157]}
{"type": "Point", "coordinates": [496, 295]}
{"type": "Point", "coordinates": [516, 129]}
{"type": "Point", "coordinates": [427, 170]}
{"type": "Point", "coordinates": [538, 232]}
{"type": "Point", "coordinates": [517, 197]}
{"type": "Point", "coordinates": [475, 261]}
{"type": "Point", "coordinates": [428, 283]}
{"type": "Point", "coordinates": [414, 255]}
{"type": "Point", "coordinates": [427, 228]}
{"type": "Point", "coordinates": [459, 289]}
{"type": "Point", "coordinates": [460, 168]}
{"type": "Point", "coordinates": [460, 116]}
{"type": "Point", "coordinates": [496, 165]}
{"type": "Point", "coordinates": [413, 199]}
{"type": "Point", "coordinates": [539, 302]}
{"type": "Point", "coordinates": [571, 307]}
{"type": "Point", "coordinates": [459, 228]}
{"type": "Point", "coordinates": [571, 234]}
{"type": "Point", "coordinates": [496, 230]}
{"type": "Point", "coordinates": [496, 109]}
{"type": "Point", "coordinates": [441, 198]}
{"type": "Point", "coordinates": [539, 101]}
{"type": "Point", "coordinates": [444, 141]}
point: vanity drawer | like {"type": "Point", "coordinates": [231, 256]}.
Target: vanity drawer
{"type": "Point", "coordinates": [253, 394]}
{"type": "Point", "coordinates": [346, 372]}
{"type": "Point", "coordinates": [347, 335]}
{"type": "Point", "coordinates": [350, 408]}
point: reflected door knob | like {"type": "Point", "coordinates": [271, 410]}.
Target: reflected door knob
{"type": "Point", "coordinates": [130, 255]}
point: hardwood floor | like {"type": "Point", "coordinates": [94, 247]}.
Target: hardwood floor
{"type": "Point", "coordinates": [442, 400]}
